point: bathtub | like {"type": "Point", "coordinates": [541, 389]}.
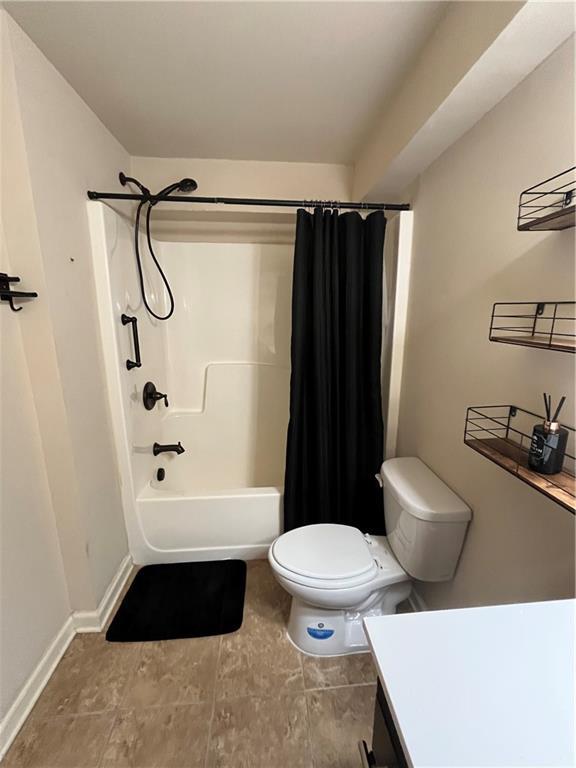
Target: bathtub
{"type": "Point", "coordinates": [223, 496]}
{"type": "Point", "coordinates": [240, 523]}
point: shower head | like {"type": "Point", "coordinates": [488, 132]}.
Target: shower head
{"type": "Point", "coordinates": [187, 185]}
{"type": "Point", "coordinates": [130, 180]}
{"type": "Point", "coordinates": [184, 185]}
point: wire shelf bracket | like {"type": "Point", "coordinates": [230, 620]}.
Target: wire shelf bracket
{"type": "Point", "coordinates": [539, 324]}
{"type": "Point", "coordinates": [550, 204]}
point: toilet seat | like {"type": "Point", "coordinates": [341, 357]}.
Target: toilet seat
{"type": "Point", "coordinates": [324, 551]}
{"type": "Point", "coordinates": [337, 577]}
{"type": "Point", "coordinates": [332, 557]}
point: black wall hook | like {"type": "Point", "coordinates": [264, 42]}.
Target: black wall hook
{"type": "Point", "coordinates": [7, 294]}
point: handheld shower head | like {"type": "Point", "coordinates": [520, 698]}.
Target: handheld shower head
{"type": "Point", "coordinates": [184, 185]}
{"type": "Point", "coordinates": [187, 185]}
{"type": "Point", "coordinates": [148, 201]}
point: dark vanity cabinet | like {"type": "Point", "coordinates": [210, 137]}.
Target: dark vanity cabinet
{"type": "Point", "coordinates": [386, 751]}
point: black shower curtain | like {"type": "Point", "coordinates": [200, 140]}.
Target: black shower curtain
{"type": "Point", "coordinates": [335, 434]}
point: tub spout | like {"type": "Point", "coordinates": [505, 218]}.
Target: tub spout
{"type": "Point", "coordinates": [157, 448]}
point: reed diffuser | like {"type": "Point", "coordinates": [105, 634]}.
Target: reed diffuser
{"type": "Point", "coordinates": [548, 446]}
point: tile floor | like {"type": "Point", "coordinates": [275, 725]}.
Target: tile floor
{"type": "Point", "coordinates": [244, 700]}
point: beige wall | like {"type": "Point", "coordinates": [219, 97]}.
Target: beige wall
{"type": "Point", "coordinates": [62, 531]}
{"type": "Point", "coordinates": [467, 255]}
{"type": "Point", "coordinates": [34, 600]}
{"type": "Point", "coordinates": [22, 254]}
{"type": "Point", "coordinates": [243, 178]}
{"type": "Point", "coordinates": [62, 528]}
{"type": "Point", "coordinates": [67, 150]}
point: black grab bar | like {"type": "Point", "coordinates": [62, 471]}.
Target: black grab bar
{"type": "Point", "coordinates": [134, 321]}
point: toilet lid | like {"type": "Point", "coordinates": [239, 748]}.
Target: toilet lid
{"type": "Point", "coordinates": [324, 551]}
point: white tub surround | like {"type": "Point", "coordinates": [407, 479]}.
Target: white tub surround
{"type": "Point", "coordinates": [223, 361]}
{"type": "Point", "coordinates": [490, 687]}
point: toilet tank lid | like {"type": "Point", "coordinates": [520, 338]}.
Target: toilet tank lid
{"type": "Point", "coordinates": [419, 491]}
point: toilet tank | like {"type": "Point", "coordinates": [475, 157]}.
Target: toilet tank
{"type": "Point", "coordinates": [425, 520]}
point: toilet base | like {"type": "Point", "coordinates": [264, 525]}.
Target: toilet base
{"type": "Point", "coordinates": [338, 632]}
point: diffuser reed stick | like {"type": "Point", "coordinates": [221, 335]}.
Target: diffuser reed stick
{"type": "Point", "coordinates": [557, 412]}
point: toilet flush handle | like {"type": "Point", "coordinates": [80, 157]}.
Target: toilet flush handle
{"type": "Point", "coordinates": [379, 480]}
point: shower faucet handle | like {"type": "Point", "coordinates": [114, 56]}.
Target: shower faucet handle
{"type": "Point", "coordinates": [150, 396]}
{"type": "Point", "coordinates": [177, 448]}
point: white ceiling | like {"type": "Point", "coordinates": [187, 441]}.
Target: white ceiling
{"type": "Point", "coordinates": [293, 81]}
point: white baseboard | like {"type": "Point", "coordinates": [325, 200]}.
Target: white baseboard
{"type": "Point", "coordinates": [416, 602]}
{"type": "Point", "coordinates": [21, 708]}
{"type": "Point", "coordinates": [95, 621]}
{"type": "Point", "coordinates": [80, 621]}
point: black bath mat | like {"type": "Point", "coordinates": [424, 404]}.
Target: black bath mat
{"type": "Point", "coordinates": [167, 602]}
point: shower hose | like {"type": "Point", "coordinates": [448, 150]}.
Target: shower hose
{"type": "Point", "coordinates": [155, 260]}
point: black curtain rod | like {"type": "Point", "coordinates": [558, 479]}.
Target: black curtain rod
{"type": "Point", "coordinates": [253, 201]}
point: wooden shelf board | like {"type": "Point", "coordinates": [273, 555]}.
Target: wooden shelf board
{"type": "Point", "coordinates": [514, 459]}
{"type": "Point", "coordinates": [540, 341]}
{"type": "Point", "coordinates": [561, 219]}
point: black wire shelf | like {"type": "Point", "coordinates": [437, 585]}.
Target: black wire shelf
{"type": "Point", "coordinates": [503, 433]}
{"type": "Point", "coordinates": [540, 324]}
{"type": "Point", "coordinates": [549, 205]}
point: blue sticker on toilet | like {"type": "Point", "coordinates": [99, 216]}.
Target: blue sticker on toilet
{"type": "Point", "coordinates": [319, 634]}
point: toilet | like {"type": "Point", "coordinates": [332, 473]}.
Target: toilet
{"type": "Point", "coordinates": [338, 576]}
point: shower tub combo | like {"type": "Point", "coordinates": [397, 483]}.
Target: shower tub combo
{"type": "Point", "coordinates": [223, 361]}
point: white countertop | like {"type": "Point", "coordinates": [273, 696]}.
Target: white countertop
{"type": "Point", "coordinates": [484, 687]}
